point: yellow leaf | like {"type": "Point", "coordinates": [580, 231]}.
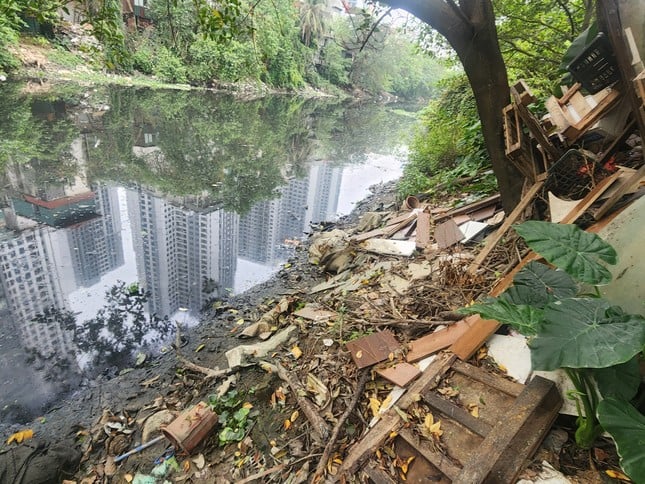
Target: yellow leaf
{"type": "Point", "coordinates": [431, 426]}
{"type": "Point", "coordinates": [473, 408]}
{"type": "Point", "coordinates": [287, 424]}
{"type": "Point", "coordinates": [378, 453]}
{"type": "Point", "coordinates": [393, 434]}
{"type": "Point", "coordinates": [375, 406]}
{"type": "Point", "coordinates": [128, 477]}
{"type": "Point", "coordinates": [200, 347]}
{"type": "Point", "coordinates": [186, 465]}
{"type": "Point", "coordinates": [359, 354]}
{"type": "Point", "coordinates": [294, 415]}
{"type": "Point", "coordinates": [482, 353]}
{"type": "Point", "coordinates": [337, 460]}
{"type": "Point", "coordinates": [390, 357]}
{"type": "Point", "coordinates": [404, 465]}
{"type": "Point", "coordinates": [240, 321]}
{"type": "Point", "coordinates": [18, 437]}
{"type": "Point", "coordinates": [248, 405]}
{"type": "Point", "coordinates": [386, 402]}
{"type": "Point", "coordinates": [296, 352]}
{"type": "Point", "coordinates": [616, 475]}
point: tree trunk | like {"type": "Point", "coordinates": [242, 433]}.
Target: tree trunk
{"type": "Point", "coordinates": [470, 29]}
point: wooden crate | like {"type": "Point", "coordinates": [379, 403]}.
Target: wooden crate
{"type": "Point", "coordinates": [493, 448]}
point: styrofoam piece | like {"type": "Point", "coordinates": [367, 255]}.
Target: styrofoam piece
{"type": "Point", "coordinates": [390, 247]}
{"type": "Point", "coordinates": [513, 354]}
{"type": "Point", "coordinates": [471, 228]}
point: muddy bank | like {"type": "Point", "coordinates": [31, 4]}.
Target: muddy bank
{"type": "Point", "coordinates": [83, 407]}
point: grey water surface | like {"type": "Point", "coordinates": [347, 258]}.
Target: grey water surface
{"type": "Point", "coordinates": [124, 209]}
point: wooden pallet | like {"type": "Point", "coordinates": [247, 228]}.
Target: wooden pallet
{"type": "Point", "coordinates": [493, 448]}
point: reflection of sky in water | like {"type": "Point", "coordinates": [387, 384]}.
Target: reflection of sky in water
{"type": "Point", "coordinates": [86, 301]}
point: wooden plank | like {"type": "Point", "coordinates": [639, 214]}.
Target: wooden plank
{"type": "Point", "coordinates": [500, 437]}
{"type": "Point", "coordinates": [377, 475]}
{"type": "Point", "coordinates": [570, 92]}
{"type": "Point", "coordinates": [625, 187]}
{"type": "Point", "coordinates": [579, 128]}
{"type": "Point", "coordinates": [534, 127]}
{"type": "Point", "coordinates": [372, 348]}
{"type": "Point", "coordinates": [528, 439]}
{"type": "Point", "coordinates": [490, 379]}
{"type": "Point", "coordinates": [492, 241]}
{"type": "Point", "coordinates": [422, 237]}
{"type": "Point", "coordinates": [526, 96]}
{"type": "Point", "coordinates": [400, 374]}
{"type": "Point", "coordinates": [589, 199]}
{"type": "Point", "coordinates": [471, 207]}
{"type": "Point", "coordinates": [457, 414]}
{"type": "Point", "coordinates": [393, 227]}
{"type": "Point", "coordinates": [391, 420]}
{"type": "Point", "coordinates": [438, 340]}
{"type": "Point", "coordinates": [437, 459]}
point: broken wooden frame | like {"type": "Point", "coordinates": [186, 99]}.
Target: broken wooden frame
{"type": "Point", "coordinates": [493, 448]}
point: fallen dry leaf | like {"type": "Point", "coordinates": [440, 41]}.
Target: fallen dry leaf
{"type": "Point", "coordinates": [473, 408]}
{"type": "Point", "coordinates": [128, 477]}
{"type": "Point", "coordinates": [296, 352]}
{"type": "Point", "coordinates": [199, 461]}
{"type": "Point", "coordinates": [294, 415]}
{"type": "Point", "coordinates": [375, 406]}
{"type": "Point", "coordinates": [448, 391]}
{"type": "Point", "coordinates": [616, 475]}
{"type": "Point", "coordinates": [287, 424]}
{"type": "Point", "coordinates": [21, 436]}
{"type": "Point", "coordinates": [431, 427]}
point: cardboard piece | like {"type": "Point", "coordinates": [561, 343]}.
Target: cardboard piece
{"type": "Point", "coordinates": [447, 234]}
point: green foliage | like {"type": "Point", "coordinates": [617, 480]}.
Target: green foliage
{"type": "Point", "coordinates": [107, 26]}
{"type": "Point", "coordinates": [575, 251]}
{"type": "Point", "coordinates": [235, 415]}
{"type": "Point", "coordinates": [448, 144]}
{"type": "Point", "coordinates": [627, 426]}
{"type": "Point", "coordinates": [597, 344]}
{"type": "Point", "coordinates": [168, 67]}
{"type": "Point", "coordinates": [534, 36]}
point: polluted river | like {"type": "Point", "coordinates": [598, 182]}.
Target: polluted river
{"type": "Point", "coordinates": [127, 210]}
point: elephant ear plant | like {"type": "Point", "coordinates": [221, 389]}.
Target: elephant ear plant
{"type": "Point", "coordinates": [598, 345]}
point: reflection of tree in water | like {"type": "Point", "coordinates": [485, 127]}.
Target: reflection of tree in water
{"type": "Point", "coordinates": [34, 129]}
{"type": "Point", "coordinates": [216, 150]}
{"type": "Point", "coordinates": [119, 327]}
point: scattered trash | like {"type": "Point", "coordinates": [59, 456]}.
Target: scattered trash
{"type": "Point", "coordinates": [189, 429]}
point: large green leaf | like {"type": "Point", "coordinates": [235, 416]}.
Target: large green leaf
{"type": "Point", "coordinates": [571, 249]}
{"type": "Point", "coordinates": [627, 427]}
{"type": "Point", "coordinates": [586, 333]}
{"type": "Point", "coordinates": [620, 381]}
{"type": "Point", "coordinates": [538, 285]}
{"type": "Point", "coordinates": [523, 318]}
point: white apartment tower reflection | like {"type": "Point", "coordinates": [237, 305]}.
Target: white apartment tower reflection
{"type": "Point", "coordinates": [58, 245]}
{"type": "Point", "coordinates": [312, 198]}
{"type": "Point", "coordinates": [183, 256]}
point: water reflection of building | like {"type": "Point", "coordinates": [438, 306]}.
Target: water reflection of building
{"type": "Point", "coordinates": [312, 198]}
{"type": "Point", "coordinates": [61, 244]}
{"type": "Point", "coordinates": [183, 256]}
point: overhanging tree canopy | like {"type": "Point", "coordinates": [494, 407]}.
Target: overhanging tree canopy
{"type": "Point", "coordinates": [469, 27]}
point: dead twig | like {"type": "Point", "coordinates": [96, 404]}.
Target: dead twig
{"type": "Point", "coordinates": [259, 475]}
{"type": "Point", "coordinates": [358, 392]}
{"type": "Point", "coordinates": [320, 428]}
{"type": "Point", "coordinates": [207, 372]}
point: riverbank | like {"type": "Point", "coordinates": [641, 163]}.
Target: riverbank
{"type": "Point", "coordinates": [43, 64]}
{"type": "Point", "coordinates": [164, 377]}
{"type": "Point", "coordinates": [278, 441]}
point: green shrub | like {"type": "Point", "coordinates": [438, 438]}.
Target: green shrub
{"type": "Point", "coordinates": [230, 62]}
{"type": "Point", "coordinates": [169, 67]}
{"type": "Point", "coordinates": [448, 143]}
{"type": "Point", "coordinates": [144, 57]}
